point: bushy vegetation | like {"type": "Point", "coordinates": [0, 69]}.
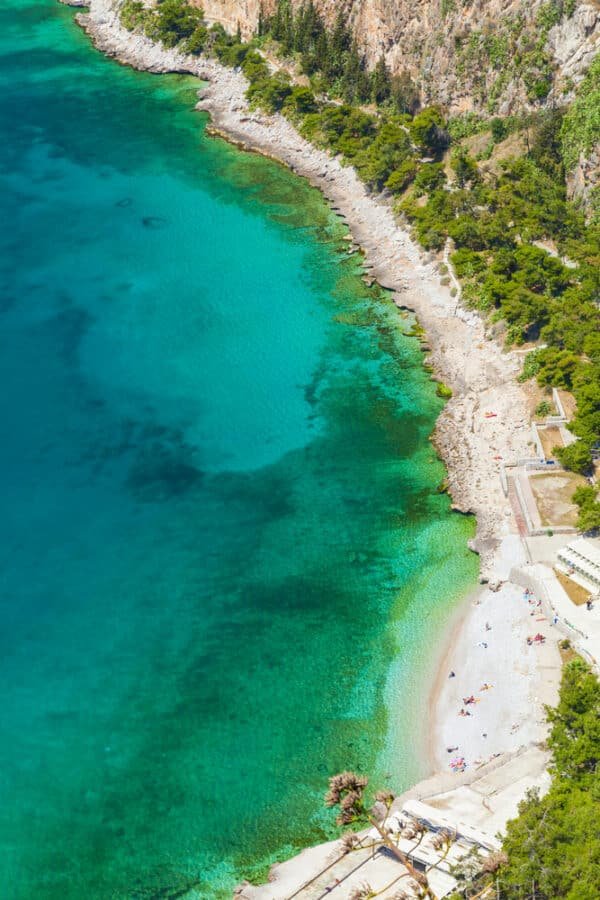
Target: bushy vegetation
{"type": "Point", "coordinates": [177, 23]}
{"type": "Point", "coordinates": [494, 220]}
{"type": "Point", "coordinates": [553, 848]}
{"type": "Point", "coordinates": [170, 22]}
{"type": "Point", "coordinates": [586, 499]}
{"type": "Point", "coordinates": [581, 126]}
{"type": "Point", "coordinates": [512, 47]}
{"type": "Point", "coordinates": [333, 58]}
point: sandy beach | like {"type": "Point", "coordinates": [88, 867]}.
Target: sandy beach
{"type": "Point", "coordinates": [509, 713]}
{"type": "Point", "coordinates": [492, 662]}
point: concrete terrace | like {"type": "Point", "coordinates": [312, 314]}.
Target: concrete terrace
{"type": "Point", "coordinates": [578, 624]}
{"type": "Point", "coordinates": [471, 808]}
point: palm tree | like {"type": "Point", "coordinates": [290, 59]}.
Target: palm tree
{"type": "Point", "coordinates": [346, 791]}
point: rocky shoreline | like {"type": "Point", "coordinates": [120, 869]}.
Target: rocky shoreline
{"type": "Point", "coordinates": [482, 376]}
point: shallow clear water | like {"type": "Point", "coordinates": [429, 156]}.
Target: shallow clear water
{"type": "Point", "coordinates": [223, 561]}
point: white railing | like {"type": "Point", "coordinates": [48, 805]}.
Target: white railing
{"type": "Point", "coordinates": [558, 404]}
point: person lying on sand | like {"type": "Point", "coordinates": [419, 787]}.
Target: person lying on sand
{"type": "Point", "coordinates": [464, 712]}
{"type": "Point", "coordinates": [485, 686]}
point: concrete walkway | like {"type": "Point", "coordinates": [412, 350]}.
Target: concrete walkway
{"type": "Point", "coordinates": [580, 625]}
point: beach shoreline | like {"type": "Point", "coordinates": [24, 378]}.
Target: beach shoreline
{"type": "Point", "coordinates": [473, 445]}
{"type": "Point", "coordinates": [487, 658]}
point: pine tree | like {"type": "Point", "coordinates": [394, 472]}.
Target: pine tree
{"type": "Point", "coordinates": [355, 81]}
{"type": "Point", "coordinates": [301, 30]}
{"type": "Point", "coordinates": [261, 29]}
{"type": "Point", "coordinates": [340, 43]}
{"type": "Point", "coordinates": [322, 53]}
{"type": "Point", "coordinates": [287, 37]}
{"type": "Point", "coordinates": [380, 81]}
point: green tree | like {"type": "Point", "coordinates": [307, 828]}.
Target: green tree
{"type": "Point", "coordinates": [175, 21]}
{"type": "Point", "coordinates": [553, 847]}
{"type": "Point", "coordinates": [401, 177]}
{"type": "Point", "coordinates": [428, 132]}
{"type": "Point", "coordinates": [381, 85]}
{"type": "Point", "coordinates": [576, 456]}
{"type": "Point", "coordinates": [196, 42]}
{"type": "Point", "coordinates": [498, 129]}
{"type": "Point", "coordinates": [430, 178]}
{"type": "Point", "coordinates": [465, 168]}
{"type": "Point", "coordinates": [404, 93]}
{"type": "Point", "coordinates": [589, 508]}
{"type": "Point", "coordinates": [302, 100]}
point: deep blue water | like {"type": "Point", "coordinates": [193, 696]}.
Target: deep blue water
{"type": "Point", "coordinates": [220, 523]}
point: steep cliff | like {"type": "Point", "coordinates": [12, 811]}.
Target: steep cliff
{"type": "Point", "coordinates": [581, 141]}
{"type": "Point", "coordinates": [491, 55]}
{"type": "Point", "coordinates": [231, 13]}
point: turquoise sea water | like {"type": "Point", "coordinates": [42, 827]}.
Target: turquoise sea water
{"type": "Point", "coordinates": [223, 560]}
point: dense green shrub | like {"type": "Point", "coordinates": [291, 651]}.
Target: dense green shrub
{"type": "Point", "coordinates": [430, 177]}
{"type": "Point", "coordinates": [586, 499]}
{"type": "Point", "coordinates": [442, 390]}
{"type": "Point", "coordinates": [196, 42]}
{"type": "Point", "coordinates": [301, 100]}
{"type": "Point", "coordinates": [134, 14]}
{"type": "Point", "coordinates": [581, 126]}
{"type": "Point", "coordinates": [428, 130]}
{"type": "Point", "coordinates": [402, 176]}
{"type": "Point", "coordinates": [270, 92]}
{"type": "Point", "coordinates": [465, 125]}
{"type": "Point", "coordinates": [254, 66]}
{"type": "Point", "coordinates": [498, 129]}
{"type": "Point", "coordinates": [553, 847]}
{"type": "Point", "coordinates": [465, 168]}
{"type": "Point", "coordinates": [388, 151]}
{"type": "Point", "coordinates": [174, 21]}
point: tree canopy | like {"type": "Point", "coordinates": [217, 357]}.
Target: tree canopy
{"type": "Point", "coordinates": [553, 847]}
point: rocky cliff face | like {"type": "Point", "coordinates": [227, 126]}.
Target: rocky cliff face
{"type": "Point", "coordinates": [489, 56]}
{"type": "Point", "coordinates": [230, 13]}
{"type": "Point", "coordinates": [584, 181]}
{"type": "Point", "coordinates": [492, 55]}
